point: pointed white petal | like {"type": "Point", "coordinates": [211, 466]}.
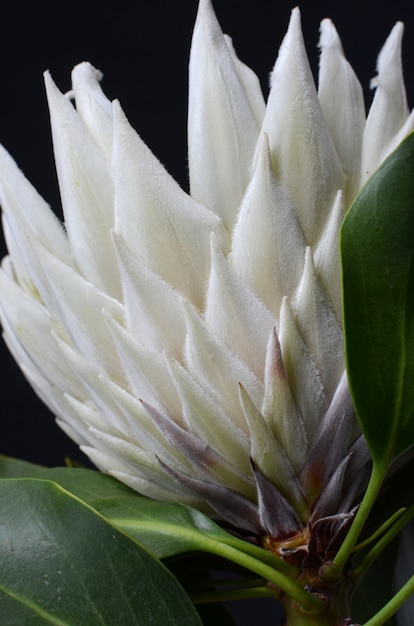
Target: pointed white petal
{"type": "Point", "coordinates": [268, 246]}
{"type": "Point", "coordinates": [76, 432]}
{"type": "Point", "coordinates": [20, 199]}
{"type": "Point", "coordinates": [279, 408]}
{"type": "Point", "coordinates": [303, 155]}
{"type": "Point", "coordinates": [32, 326]}
{"type": "Point", "coordinates": [14, 346]}
{"type": "Point", "coordinates": [57, 403]}
{"type": "Point", "coordinates": [131, 454]}
{"type": "Point", "coordinates": [29, 252]}
{"type": "Point", "coordinates": [389, 111]}
{"type": "Point", "coordinates": [29, 219]}
{"type": "Point", "coordinates": [139, 426]}
{"type": "Point", "coordinates": [318, 327]}
{"type": "Point", "coordinates": [122, 415]}
{"type": "Point", "coordinates": [14, 265]}
{"type": "Point", "coordinates": [269, 455]}
{"type": "Point", "coordinates": [400, 135]}
{"type": "Point", "coordinates": [129, 411]}
{"type": "Point", "coordinates": [327, 258]}
{"type": "Point", "coordinates": [207, 420]}
{"type": "Point", "coordinates": [92, 105]}
{"type": "Point", "coordinates": [342, 102]}
{"type": "Point", "coordinates": [145, 371]}
{"type": "Point", "coordinates": [153, 308]}
{"type": "Point", "coordinates": [86, 192]}
{"type": "Point", "coordinates": [205, 462]}
{"type": "Point", "coordinates": [78, 304]}
{"type": "Point", "coordinates": [158, 221]}
{"type": "Point", "coordinates": [87, 413]}
{"type": "Point", "coordinates": [7, 267]}
{"type": "Point", "coordinates": [94, 384]}
{"type": "Point", "coordinates": [304, 378]}
{"type": "Point", "coordinates": [162, 487]}
{"type": "Point", "coordinates": [206, 357]}
{"type": "Point", "coordinates": [226, 109]}
{"type": "Point", "coordinates": [235, 315]}
{"type": "Point", "coordinates": [48, 392]}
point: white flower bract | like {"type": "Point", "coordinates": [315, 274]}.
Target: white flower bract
{"type": "Point", "coordinates": [192, 343]}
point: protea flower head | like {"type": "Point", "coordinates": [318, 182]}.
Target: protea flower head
{"type": "Point", "coordinates": [192, 343]}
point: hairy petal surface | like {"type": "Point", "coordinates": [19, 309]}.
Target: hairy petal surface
{"type": "Point", "coordinates": [86, 191]}
{"type": "Point", "coordinates": [303, 154]}
{"type": "Point", "coordinates": [226, 109]}
{"type": "Point", "coordinates": [342, 102]}
{"type": "Point", "coordinates": [236, 315]}
{"type": "Point", "coordinates": [389, 110]}
{"type": "Point", "coordinates": [268, 246]}
{"type": "Point", "coordinates": [29, 221]}
{"type": "Point", "coordinates": [169, 230]}
{"type": "Point", "coordinates": [92, 106]}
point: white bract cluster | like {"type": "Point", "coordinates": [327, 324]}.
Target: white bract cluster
{"type": "Point", "coordinates": [192, 343]}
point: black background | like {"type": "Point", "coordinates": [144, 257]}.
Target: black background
{"type": "Point", "coordinates": [142, 48]}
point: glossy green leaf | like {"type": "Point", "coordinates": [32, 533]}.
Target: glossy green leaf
{"type": "Point", "coordinates": [164, 528]}
{"type": "Point", "coordinates": [377, 247]}
{"type": "Point", "coordinates": [168, 529]}
{"type": "Point", "coordinates": [64, 564]}
{"type": "Point", "coordinates": [17, 468]}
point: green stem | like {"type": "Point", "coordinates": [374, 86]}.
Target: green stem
{"type": "Point", "coordinates": [229, 584]}
{"type": "Point", "coordinates": [203, 597]}
{"type": "Point", "coordinates": [383, 543]}
{"type": "Point", "coordinates": [198, 542]}
{"type": "Point", "coordinates": [380, 531]}
{"type": "Point", "coordinates": [393, 605]}
{"type": "Point", "coordinates": [251, 557]}
{"type": "Point", "coordinates": [335, 568]}
{"type": "Point", "coordinates": [337, 610]}
{"type": "Point", "coordinates": [264, 556]}
{"type": "Point", "coordinates": [307, 601]}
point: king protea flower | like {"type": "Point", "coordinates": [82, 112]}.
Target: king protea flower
{"type": "Point", "coordinates": [191, 344]}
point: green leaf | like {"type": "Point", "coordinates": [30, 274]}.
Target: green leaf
{"type": "Point", "coordinates": [168, 529]}
{"type": "Point", "coordinates": [63, 564]}
{"type": "Point", "coordinates": [377, 247]}
{"type": "Point", "coordinates": [165, 528]}
{"type": "Point", "coordinates": [16, 468]}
